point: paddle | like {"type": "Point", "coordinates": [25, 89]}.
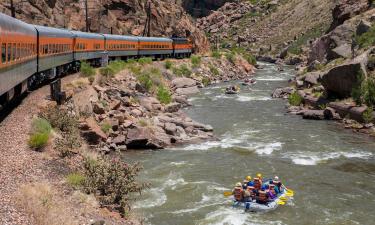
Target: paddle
{"type": "Point", "coordinates": [228, 193]}
{"type": "Point", "coordinates": [283, 199]}
{"type": "Point", "coordinates": [280, 202]}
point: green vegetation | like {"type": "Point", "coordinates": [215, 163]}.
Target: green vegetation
{"type": "Point", "coordinates": [364, 91]}
{"type": "Point", "coordinates": [231, 57]}
{"type": "Point", "coordinates": [196, 60]}
{"type": "Point", "coordinates": [206, 81]}
{"type": "Point", "coordinates": [214, 70]}
{"type": "Point", "coordinates": [86, 69]}
{"type": "Point", "coordinates": [183, 70]}
{"type": "Point", "coordinates": [368, 115]}
{"type": "Point", "coordinates": [145, 80]}
{"type": "Point", "coordinates": [216, 54]}
{"type": "Point", "coordinates": [168, 64]}
{"type": "Point", "coordinates": [112, 181]}
{"type": "Point", "coordinates": [142, 123]}
{"type": "Point", "coordinates": [106, 127]}
{"type": "Point", "coordinates": [113, 68]}
{"type": "Point", "coordinates": [245, 54]}
{"type": "Point", "coordinates": [145, 60]}
{"type": "Point", "coordinates": [164, 95]}
{"type": "Point", "coordinates": [40, 133]}
{"type": "Point", "coordinates": [296, 46]}
{"type": "Point", "coordinates": [75, 180]}
{"type": "Point", "coordinates": [367, 39]}
{"type": "Point", "coordinates": [295, 99]}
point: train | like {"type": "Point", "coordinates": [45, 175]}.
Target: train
{"type": "Point", "coordinates": [33, 54]}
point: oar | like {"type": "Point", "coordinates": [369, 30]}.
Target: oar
{"type": "Point", "coordinates": [283, 198]}
{"type": "Point", "coordinates": [228, 193]}
{"type": "Point", "coordinates": [280, 202]}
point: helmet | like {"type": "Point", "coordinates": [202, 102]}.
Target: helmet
{"type": "Point", "coordinates": [259, 175]}
{"type": "Point", "coordinates": [239, 184]}
{"type": "Point", "coordinates": [248, 178]}
{"type": "Point", "coordinates": [276, 178]}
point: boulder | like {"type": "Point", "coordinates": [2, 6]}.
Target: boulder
{"type": "Point", "coordinates": [312, 78]}
{"type": "Point", "coordinates": [313, 114]}
{"type": "Point", "coordinates": [170, 128]}
{"type": "Point", "coordinates": [341, 80]}
{"type": "Point", "coordinates": [187, 91]}
{"type": "Point", "coordinates": [92, 132]}
{"type": "Point", "coordinates": [119, 140]}
{"type": "Point", "coordinates": [98, 108]}
{"type": "Point", "coordinates": [146, 138]}
{"type": "Point", "coordinates": [330, 114]}
{"type": "Point", "coordinates": [172, 107]}
{"type": "Point", "coordinates": [183, 82]}
{"type": "Point", "coordinates": [182, 100]}
{"type": "Point", "coordinates": [282, 92]}
{"type": "Point", "coordinates": [363, 27]}
{"type": "Point", "coordinates": [342, 51]}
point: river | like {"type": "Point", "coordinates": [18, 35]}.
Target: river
{"type": "Point", "coordinates": [330, 169]}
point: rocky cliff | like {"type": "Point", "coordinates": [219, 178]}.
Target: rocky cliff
{"type": "Point", "coordinates": [122, 16]}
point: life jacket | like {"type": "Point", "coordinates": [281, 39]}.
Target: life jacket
{"type": "Point", "coordinates": [257, 183]}
{"type": "Point", "coordinates": [251, 190]}
{"type": "Point", "coordinates": [238, 193]}
{"type": "Point", "coordinates": [262, 196]}
{"type": "Point", "coordinates": [272, 189]}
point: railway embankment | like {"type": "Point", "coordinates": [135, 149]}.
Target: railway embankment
{"type": "Point", "coordinates": [133, 105]}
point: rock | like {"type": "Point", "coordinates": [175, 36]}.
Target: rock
{"type": "Point", "coordinates": [146, 138]}
{"type": "Point", "coordinates": [119, 140]}
{"type": "Point", "coordinates": [172, 107]}
{"type": "Point", "coordinates": [98, 108]}
{"type": "Point", "coordinates": [363, 27]}
{"type": "Point", "coordinates": [268, 59]}
{"type": "Point", "coordinates": [183, 82]}
{"type": "Point", "coordinates": [313, 114]}
{"type": "Point", "coordinates": [330, 114]}
{"type": "Point", "coordinates": [114, 105]}
{"type": "Point", "coordinates": [346, 9]}
{"type": "Point", "coordinates": [182, 100]}
{"type": "Point", "coordinates": [293, 61]}
{"type": "Point", "coordinates": [114, 124]}
{"type": "Point", "coordinates": [342, 51]}
{"type": "Point", "coordinates": [187, 91]}
{"type": "Point", "coordinates": [127, 123]}
{"type": "Point", "coordinates": [170, 128]}
{"type": "Point", "coordinates": [282, 92]}
{"type": "Point", "coordinates": [150, 103]}
{"type": "Point", "coordinates": [92, 132]}
{"type": "Point", "coordinates": [136, 112]}
{"type": "Point", "coordinates": [312, 78]}
{"type": "Point", "coordinates": [341, 80]}
{"type": "Point", "coordinates": [98, 222]}
{"type": "Point", "coordinates": [299, 83]}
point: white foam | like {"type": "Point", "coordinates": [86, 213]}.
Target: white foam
{"type": "Point", "coordinates": [154, 197]}
{"type": "Point", "coordinates": [267, 149]}
{"type": "Point", "coordinates": [242, 98]}
{"type": "Point", "coordinates": [272, 79]}
{"type": "Point", "coordinates": [311, 158]}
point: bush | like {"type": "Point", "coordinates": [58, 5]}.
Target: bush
{"type": "Point", "coordinates": [250, 59]}
{"type": "Point", "coordinates": [60, 119]}
{"type": "Point", "coordinates": [38, 140]}
{"type": "Point", "coordinates": [40, 125]}
{"type": "Point", "coordinates": [145, 80]}
{"type": "Point", "coordinates": [206, 81]}
{"type": "Point", "coordinates": [364, 91]}
{"type": "Point", "coordinates": [164, 95]}
{"type": "Point", "coordinates": [196, 60]}
{"type": "Point", "coordinates": [214, 70]}
{"type": "Point", "coordinates": [87, 70]}
{"type": "Point", "coordinates": [183, 70]}
{"type": "Point", "coordinates": [145, 60]}
{"type": "Point", "coordinates": [106, 127]}
{"type": "Point", "coordinates": [112, 180]}
{"type": "Point", "coordinates": [168, 64]}
{"type": "Point", "coordinates": [367, 39]}
{"type": "Point", "coordinates": [368, 115]}
{"type": "Point", "coordinates": [216, 54]}
{"type": "Point", "coordinates": [295, 99]}
{"type": "Point", "coordinates": [75, 180]}
{"type": "Point", "coordinates": [231, 57]}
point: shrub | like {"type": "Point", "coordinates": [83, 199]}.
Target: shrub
{"type": "Point", "coordinates": [164, 95]}
{"type": "Point", "coordinates": [135, 69]}
{"type": "Point", "coordinates": [145, 60]}
{"type": "Point", "coordinates": [142, 123]}
{"type": "Point", "coordinates": [216, 54]}
{"type": "Point", "coordinates": [87, 70]}
{"type": "Point", "coordinates": [196, 60]}
{"type": "Point", "coordinates": [368, 115]}
{"type": "Point", "coordinates": [68, 143]}
{"type": "Point", "coordinates": [112, 180]}
{"type": "Point", "coordinates": [75, 180]}
{"type": "Point", "coordinates": [91, 80]}
{"type": "Point", "coordinates": [38, 140]}
{"type": "Point", "coordinates": [106, 127]}
{"type": "Point", "coordinates": [168, 64]}
{"type": "Point", "coordinates": [367, 39]}
{"type": "Point", "coordinates": [231, 57]}
{"type": "Point", "coordinates": [368, 91]}
{"type": "Point", "coordinates": [60, 118]}
{"type": "Point", "coordinates": [214, 70]}
{"type": "Point", "coordinates": [40, 125]}
{"type": "Point", "coordinates": [145, 80]}
{"type": "Point", "coordinates": [250, 59]}
{"type": "Point", "coordinates": [107, 71]}
{"type": "Point", "coordinates": [206, 81]}
{"type": "Point", "coordinates": [183, 70]}
{"type": "Point", "coordinates": [295, 99]}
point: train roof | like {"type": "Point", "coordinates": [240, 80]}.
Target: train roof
{"type": "Point", "coordinates": [53, 32]}
{"type": "Point", "coordinates": [10, 24]}
{"type": "Point", "coordinates": [87, 35]}
{"type": "Point", "coordinates": [155, 39]}
{"type": "Point", "coordinates": [120, 37]}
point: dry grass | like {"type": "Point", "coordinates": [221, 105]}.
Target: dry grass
{"type": "Point", "coordinates": [42, 202]}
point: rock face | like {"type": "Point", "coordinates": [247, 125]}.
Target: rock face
{"type": "Point", "coordinates": [123, 16]}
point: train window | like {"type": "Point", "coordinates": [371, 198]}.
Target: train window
{"type": "Point", "coordinates": [3, 52]}
{"type": "Point", "coordinates": [14, 51]}
{"type": "Point", "coordinates": [18, 51]}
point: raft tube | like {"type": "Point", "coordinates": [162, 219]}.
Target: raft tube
{"type": "Point", "coordinates": [256, 207]}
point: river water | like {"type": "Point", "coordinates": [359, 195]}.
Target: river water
{"type": "Point", "coordinates": [331, 170]}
